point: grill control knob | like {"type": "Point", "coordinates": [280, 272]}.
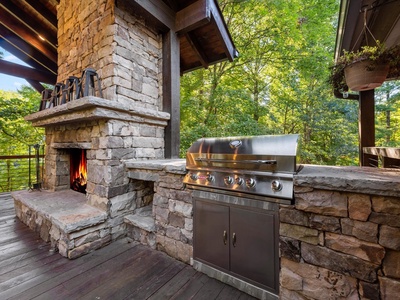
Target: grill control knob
{"type": "Point", "coordinates": [228, 180]}
{"type": "Point", "coordinates": [239, 181]}
{"type": "Point", "coordinates": [276, 185]}
{"type": "Point", "coordinates": [210, 178]}
{"type": "Point", "coordinates": [193, 176]}
{"type": "Point", "coordinates": [250, 182]}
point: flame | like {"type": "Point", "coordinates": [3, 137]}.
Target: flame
{"type": "Point", "coordinates": [82, 169]}
{"type": "Point", "coordinates": [79, 173]}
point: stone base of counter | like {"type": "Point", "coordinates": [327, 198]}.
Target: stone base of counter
{"type": "Point", "coordinates": [341, 238]}
{"type": "Point", "coordinates": [171, 207]}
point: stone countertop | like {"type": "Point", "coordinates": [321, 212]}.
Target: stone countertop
{"type": "Point", "coordinates": [366, 180]}
{"type": "Point", "coordinates": [176, 166]}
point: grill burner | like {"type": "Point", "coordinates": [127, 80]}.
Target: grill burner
{"type": "Point", "coordinates": [260, 167]}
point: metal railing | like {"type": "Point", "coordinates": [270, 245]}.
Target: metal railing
{"type": "Point", "coordinates": [18, 172]}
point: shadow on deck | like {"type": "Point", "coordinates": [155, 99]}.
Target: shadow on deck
{"type": "Point", "coordinates": [122, 270]}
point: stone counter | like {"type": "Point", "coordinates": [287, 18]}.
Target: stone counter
{"type": "Point", "coordinates": [339, 240]}
{"type": "Point", "coordinates": [364, 180]}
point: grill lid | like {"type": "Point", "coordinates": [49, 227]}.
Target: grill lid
{"type": "Point", "coordinates": [261, 153]}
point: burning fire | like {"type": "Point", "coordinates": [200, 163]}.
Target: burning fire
{"type": "Point", "coordinates": [79, 173]}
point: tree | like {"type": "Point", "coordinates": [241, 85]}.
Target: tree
{"type": "Point", "coordinates": [279, 83]}
{"type": "Point", "coordinates": [16, 135]}
{"type": "Point", "coordinates": [387, 100]}
{"type": "Point", "coordinates": [14, 130]}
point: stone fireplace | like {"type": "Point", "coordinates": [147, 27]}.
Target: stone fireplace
{"type": "Point", "coordinates": [126, 124]}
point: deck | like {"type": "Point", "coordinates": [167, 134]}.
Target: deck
{"type": "Point", "coordinates": [121, 270]}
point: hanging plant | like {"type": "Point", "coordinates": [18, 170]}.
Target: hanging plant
{"type": "Point", "coordinates": [364, 69]}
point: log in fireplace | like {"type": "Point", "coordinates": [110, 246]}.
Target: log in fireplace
{"type": "Point", "coordinates": [78, 170]}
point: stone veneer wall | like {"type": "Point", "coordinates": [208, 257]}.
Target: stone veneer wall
{"type": "Point", "coordinates": [107, 143]}
{"type": "Point", "coordinates": [172, 207]}
{"type": "Point", "coordinates": [105, 35]}
{"type": "Point", "coordinates": [338, 244]}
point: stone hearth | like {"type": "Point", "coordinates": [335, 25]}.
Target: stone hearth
{"type": "Point", "coordinates": [64, 219]}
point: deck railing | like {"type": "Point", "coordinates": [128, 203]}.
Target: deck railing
{"type": "Point", "coordinates": [382, 157]}
{"type": "Point", "coordinates": [18, 172]}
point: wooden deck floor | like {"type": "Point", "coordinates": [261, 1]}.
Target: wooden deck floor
{"type": "Point", "coordinates": [122, 270]}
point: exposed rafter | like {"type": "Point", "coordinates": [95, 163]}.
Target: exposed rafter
{"type": "Point", "coordinates": [26, 72]}
{"type": "Point", "coordinates": [28, 30]}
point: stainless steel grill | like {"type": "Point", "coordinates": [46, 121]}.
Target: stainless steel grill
{"type": "Point", "coordinates": [260, 167]}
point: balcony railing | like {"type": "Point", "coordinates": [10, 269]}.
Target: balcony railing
{"type": "Point", "coordinates": [383, 157]}
{"type": "Point", "coordinates": [18, 172]}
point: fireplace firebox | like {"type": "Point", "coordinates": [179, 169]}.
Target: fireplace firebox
{"type": "Point", "coordinates": [78, 170]}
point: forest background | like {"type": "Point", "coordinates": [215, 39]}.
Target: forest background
{"type": "Point", "coordinates": [277, 85]}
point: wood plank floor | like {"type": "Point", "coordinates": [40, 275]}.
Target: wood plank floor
{"type": "Point", "coordinates": [122, 270]}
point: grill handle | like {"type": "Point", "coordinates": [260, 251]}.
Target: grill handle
{"type": "Point", "coordinates": [250, 161]}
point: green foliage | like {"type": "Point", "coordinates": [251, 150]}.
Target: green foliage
{"type": "Point", "coordinates": [277, 85]}
{"type": "Point", "coordinates": [387, 99]}
{"type": "Point", "coordinates": [16, 135]}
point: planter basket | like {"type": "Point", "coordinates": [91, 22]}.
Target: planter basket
{"type": "Point", "coordinates": [365, 75]}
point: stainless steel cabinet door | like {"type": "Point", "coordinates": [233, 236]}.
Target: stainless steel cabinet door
{"type": "Point", "coordinates": [211, 234]}
{"type": "Point", "coordinates": [254, 246]}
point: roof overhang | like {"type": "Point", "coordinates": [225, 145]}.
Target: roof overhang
{"type": "Point", "coordinates": [382, 18]}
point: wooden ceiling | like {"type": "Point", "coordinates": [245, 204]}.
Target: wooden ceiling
{"type": "Point", "coordinates": [382, 18]}
{"type": "Point", "coordinates": [28, 30]}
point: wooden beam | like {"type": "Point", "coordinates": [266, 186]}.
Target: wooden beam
{"type": "Point", "coordinates": [25, 33]}
{"type": "Point", "coordinates": [30, 21]}
{"type": "Point", "coordinates": [21, 49]}
{"type": "Point", "coordinates": [22, 56]}
{"type": "Point", "coordinates": [193, 16]}
{"type": "Point", "coordinates": [196, 47]}
{"type": "Point", "coordinates": [36, 85]}
{"type": "Point", "coordinates": [158, 12]}
{"type": "Point", "coordinates": [171, 93]}
{"type": "Point", "coordinates": [366, 127]}
{"type": "Point", "coordinates": [26, 72]}
{"type": "Point", "coordinates": [216, 14]}
{"type": "Point", "coordinates": [46, 13]}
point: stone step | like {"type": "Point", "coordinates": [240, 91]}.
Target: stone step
{"type": "Point", "coordinates": [142, 218]}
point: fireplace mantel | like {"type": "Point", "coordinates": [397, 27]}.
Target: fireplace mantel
{"type": "Point", "coordinates": [94, 108]}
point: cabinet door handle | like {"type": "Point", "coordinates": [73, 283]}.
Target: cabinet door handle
{"type": "Point", "coordinates": [225, 237]}
{"type": "Point", "coordinates": [234, 239]}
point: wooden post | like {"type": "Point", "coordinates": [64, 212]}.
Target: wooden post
{"type": "Point", "coordinates": [171, 93]}
{"type": "Point", "coordinates": [366, 127]}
